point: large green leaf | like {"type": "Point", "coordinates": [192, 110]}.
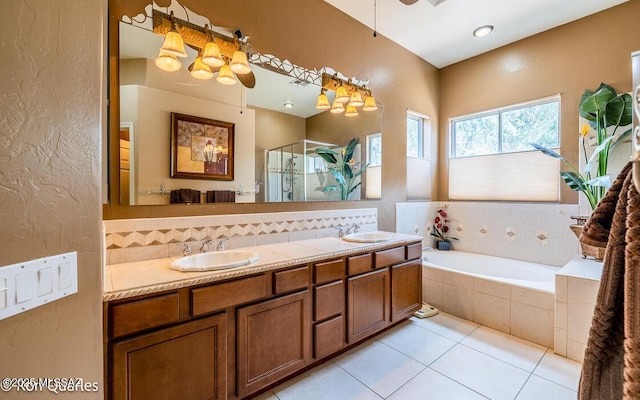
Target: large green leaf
{"type": "Point", "coordinates": [594, 157]}
{"type": "Point", "coordinates": [604, 181]}
{"type": "Point", "coordinates": [348, 151]}
{"type": "Point", "coordinates": [621, 138]}
{"type": "Point", "coordinates": [330, 188]}
{"type": "Point", "coordinates": [348, 173]}
{"type": "Point", "coordinates": [338, 176]}
{"type": "Point", "coordinates": [327, 155]}
{"type": "Point", "coordinates": [597, 102]}
{"type": "Point", "coordinates": [588, 116]}
{"type": "Point", "coordinates": [619, 111]}
{"type": "Point", "coordinates": [353, 188]}
{"type": "Point", "coordinates": [546, 151]}
{"type": "Point", "coordinates": [574, 181]}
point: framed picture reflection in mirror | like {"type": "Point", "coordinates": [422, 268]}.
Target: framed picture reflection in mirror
{"type": "Point", "coordinates": [201, 148]}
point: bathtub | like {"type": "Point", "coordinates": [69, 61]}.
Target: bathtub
{"type": "Point", "coordinates": [515, 297]}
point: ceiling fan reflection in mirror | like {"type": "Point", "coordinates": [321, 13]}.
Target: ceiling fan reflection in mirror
{"type": "Point", "coordinates": [433, 2]}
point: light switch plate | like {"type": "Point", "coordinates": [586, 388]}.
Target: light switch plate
{"type": "Point", "coordinates": [30, 284]}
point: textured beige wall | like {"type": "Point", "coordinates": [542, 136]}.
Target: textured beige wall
{"type": "Point", "coordinates": [50, 75]}
{"type": "Point", "coordinates": [565, 60]}
{"type": "Point", "coordinates": [317, 35]}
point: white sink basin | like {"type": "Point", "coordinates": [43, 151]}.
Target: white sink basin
{"type": "Point", "coordinates": [215, 260]}
{"type": "Point", "coordinates": [367, 237]}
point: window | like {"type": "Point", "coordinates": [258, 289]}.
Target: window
{"type": "Point", "coordinates": [492, 159]}
{"type": "Point", "coordinates": [507, 130]}
{"type": "Point", "coordinates": [415, 136]}
{"type": "Point", "coordinates": [373, 174]}
{"type": "Point", "coordinates": [418, 157]}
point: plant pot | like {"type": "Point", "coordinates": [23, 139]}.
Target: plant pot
{"type": "Point", "coordinates": [443, 245]}
{"type": "Point", "coordinates": [587, 250]}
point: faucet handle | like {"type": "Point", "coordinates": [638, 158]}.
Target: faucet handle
{"type": "Point", "coordinates": [205, 245]}
{"type": "Point", "coordinates": [340, 231]}
{"type": "Point", "coordinates": [221, 241]}
{"type": "Point", "coordinates": [356, 228]}
{"type": "Point", "coordinates": [186, 251]}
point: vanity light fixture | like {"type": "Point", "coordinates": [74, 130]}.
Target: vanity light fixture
{"type": "Point", "coordinates": [352, 111]}
{"type": "Point", "coordinates": [239, 63]}
{"type": "Point", "coordinates": [200, 70]}
{"type": "Point", "coordinates": [217, 53]}
{"type": "Point", "coordinates": [173, 43]}
{"type": "Point", "coordinates": [341, 94]}
{"type": "Point", "coordinates": [348, 94]}
{"type": "Point", "coordinates": [337, 107]}
{"type": "Point", "coordinates": [225, 76]}
{"type": "Point", "coordinates": [483, 31]}
{"type": "Point", "coordinates": [212, 55]}
{"type": "Point", "coordinates": [369, 103]}
{"type": "Point", "coordinates": [356, 99]}
{"type": "Point", "coordinates": [323, 101]}
{"type": "Point", "coordinates": [168, 62]}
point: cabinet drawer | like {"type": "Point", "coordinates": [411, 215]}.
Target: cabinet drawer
{"type": "Point", "coordinates": [328, 300]}
{"type": "Point", "coordinates": [328, 337]}
{"type": "Point", "coordinates": [328, 271]}
{"type": "Point", "coordinates": [217, 297]}
{"type": "Point", "coordinates": [385, 258]}
{"type": "Point", "coordinates": [144, 314]}
{"type": "Point", "coordinates": [414, 251]}
{"type": "Point", "coordinates": [359, 264]}
{"type": "Point", "coordinates": [290, 280]}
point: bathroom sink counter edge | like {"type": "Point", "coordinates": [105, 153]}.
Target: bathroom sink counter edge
{"type": "Point", "coordinates": [151, 276]}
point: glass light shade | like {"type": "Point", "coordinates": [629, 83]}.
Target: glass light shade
{"type": "Point", "coordinates": [200, 70]}
{"type": "Point", "coordinates": [212, 56]}
{"type": "Point", "coordinates": [356, 99]}
{"type": "Point", "coordinates": [341, 94]}
{"type": "Point", "coordinates": [370, 104]}
{"type": "Point", "coordinates": [173, 44]}
{"type": "Point", "coordinates": [168, 62]}
{"type": "Point", "coordinates": [225, 76]}
{"type": "Point", "coordinates": [239, 63]}
{"type": "Point", "coordinates": [337, 107]}
{"type": "Point", "coordinates": [352, 111]}
{"type": "Point", "coordinates": [323, 102]}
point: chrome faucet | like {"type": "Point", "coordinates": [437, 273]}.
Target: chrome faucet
{"type": "Point", "coordinates": [221, 241]}
{"type": "Point", "coordinates": [340, 231]}
{"type": "Point", "coordinates": [205, 245]}
{"type": "Point", "coordinates": [352, 229]}
{"type": "Point", "coordinates": [186, 251]}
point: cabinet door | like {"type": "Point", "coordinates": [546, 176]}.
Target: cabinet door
{"type": "Point", "coordinates": [273, 341]}
{"type": "Point", "coordinates": [187, 361]}
{"type": "Point", "coordinates": [369, 302]}
{"type": "Point", "coordinates": [406, 284]}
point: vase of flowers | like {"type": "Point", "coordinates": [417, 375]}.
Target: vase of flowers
{"type": "Point", "coordinates": [344, 169]}
{"type": "Point", "coordinates": [607, 113]}
{"type": "Point", "coordinates": [440, 229]}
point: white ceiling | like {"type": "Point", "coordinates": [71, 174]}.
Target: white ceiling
{"type": "Point", "coordinates": [442, 35]}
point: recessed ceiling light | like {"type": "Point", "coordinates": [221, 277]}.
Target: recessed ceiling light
{"type": "Point", "coordinates": [288, 104]}
{"type": "Point", "coordinates": [483, 31]}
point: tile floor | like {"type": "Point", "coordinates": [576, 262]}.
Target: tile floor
{"type": "Point", "coordinates": [438, 358]}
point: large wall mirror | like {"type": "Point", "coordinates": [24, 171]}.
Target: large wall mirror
{"type": "Point", "coordinates": [277, 131]}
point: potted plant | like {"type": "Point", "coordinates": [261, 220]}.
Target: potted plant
{"type": "Point", "coordinates": [344, 168]}
{"type": "Point", "coordinates": [606, 112]}
{"type": "Point", "coordinates": [440, 230]}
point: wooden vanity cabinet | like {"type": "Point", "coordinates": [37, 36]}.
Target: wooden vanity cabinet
{"type": "Point", "coordinates": [272, 341]}
{"type": "Point", "coordinates": [234, 338]}
{"type": "Point", "coordinates": [186, 361]}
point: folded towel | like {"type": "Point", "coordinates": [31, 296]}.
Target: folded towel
{"type": "Point", "coordinates": [185, 196]}
{"type": "Point", "coordinates": [221, 196]}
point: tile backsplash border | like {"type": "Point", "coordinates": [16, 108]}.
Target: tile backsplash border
{"type": "Point", "coordinates": [129, 240]}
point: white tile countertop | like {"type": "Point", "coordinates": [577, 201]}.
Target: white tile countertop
{"type": "Point", "coordinates": [143, 277]}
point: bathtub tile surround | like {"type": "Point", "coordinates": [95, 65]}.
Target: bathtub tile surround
{"type": "Point", "coordinates": [577, 287]}
{"type": "Point", "coordinates": [527, 313]}
{"type": "Point", "coordinates": [129, 240]}
{"type": "Point", "coordinates": [530, 232]}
